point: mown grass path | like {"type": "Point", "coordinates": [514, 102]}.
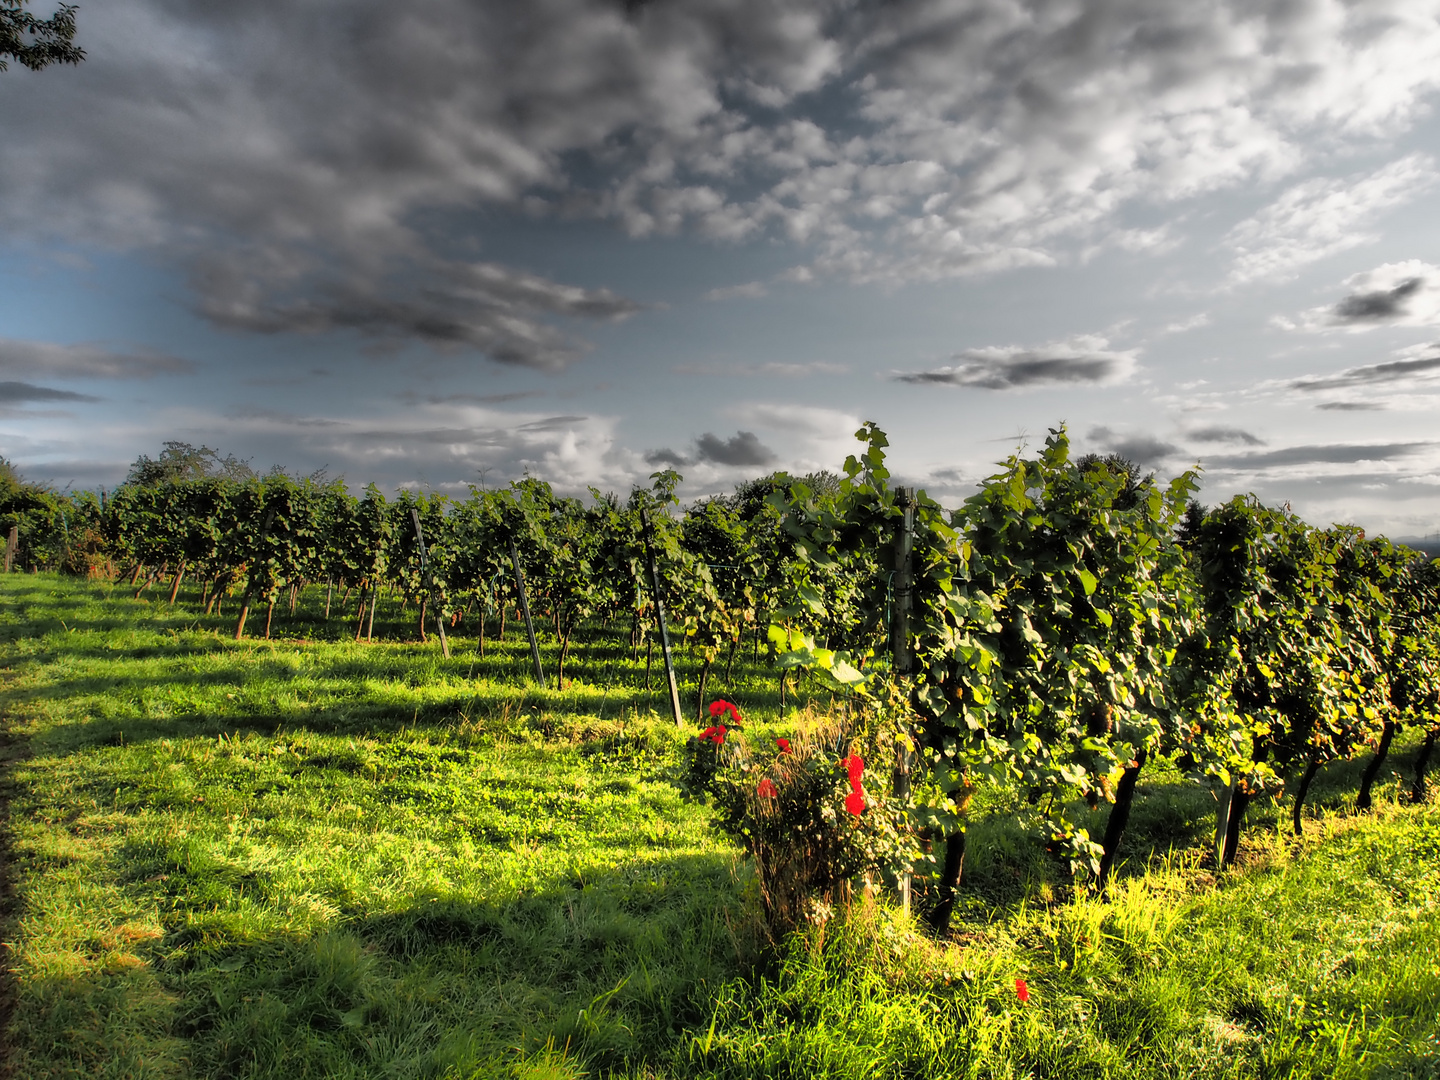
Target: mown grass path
{"type": "Point", "coordinates": [311, 858]}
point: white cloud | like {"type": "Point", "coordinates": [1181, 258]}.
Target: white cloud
{"type": "Point", "coordinates": [1183, 326]}
{"type": "Point", "coordinates": [1323, 217]}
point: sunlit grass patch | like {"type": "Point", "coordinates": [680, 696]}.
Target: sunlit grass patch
{"type": "Point", "coordinates": [297, 859]}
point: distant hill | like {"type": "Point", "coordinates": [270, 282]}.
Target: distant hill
{"type": "Point", "coordinates": [1430, 545]}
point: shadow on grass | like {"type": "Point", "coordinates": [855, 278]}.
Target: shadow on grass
{"type": "Point", "coordinates": [610, 963]}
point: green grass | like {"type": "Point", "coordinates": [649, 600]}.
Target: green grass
{"type": "Point", "coordinates": [311, 858]}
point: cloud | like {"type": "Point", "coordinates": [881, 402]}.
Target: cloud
{"type": "Point", "coordinates": [1395, 294]}
{"type": "Point", "coordinates": [448, 446]}
{"type": "Point", "coordinates": [775, 368]}
{"type": "Point", "coordinates": [813, 420]}
{"type": "Point", "coordinates": [317, 175]}
{"type": "Point", "coordinates": [280, 417]}
{"type": "Point", "coordinates": [750, 290]}
{"type": "Point", "coordinates": [1141, 448]}
{"type": "Point", "coordinates": [1384, 305]}
{"type": "Point", "coordinates": [1410, 372]}
{"type": "Point", "coordinates": [666, 456]}
{"type": "Point", "coordinates": [1183, 326]}
{"type": "Point", "coordinates": [1083, 360]}
{"type": "Point", "coordinates": [1325, 454]}
{"type": "Point", "coordinates": [440, 303]}
{"type": "Point", "coordinates": [1351, 406]}
{"type": "Point", "coordinates": [88, 360]}
{"type": "Point", "coordinates": [553, 423]}
{"type": "Point", "coordinates": [742, 448]}
{"type": "Point", "coordinates": [1220, 434]}
{"type": "Point", "coordinates": [1322, 217]}
{"type": "Point", "coordinates": [18, 393]}
{"type": "Point", "coordinates": [479, 399]}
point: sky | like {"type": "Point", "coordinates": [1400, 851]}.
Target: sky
{"type": "Point", "coordinates": [452, 242]}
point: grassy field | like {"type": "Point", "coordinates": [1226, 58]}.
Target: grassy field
{"type": "Point", "coordinates": [310, 858]}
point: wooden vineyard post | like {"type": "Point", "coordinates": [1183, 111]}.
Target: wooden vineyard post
{"type": "Point", "coordinates": [660, 618]}
{"type": "Point", "coordinates": [250, 585]}
{"type": "Point", "coordinates": [900, 654]}
{"type": "Point", "coordinates": [1222, 824]}
{"type": "Point", "coordinates": [425, 572]}
{"type": "Point", "coordinates": [525, 612]}
{"type": "Point", "coordinates": [11, 545]}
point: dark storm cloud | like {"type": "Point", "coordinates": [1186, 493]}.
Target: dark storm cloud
{"type": "Point", "coordinates": [1220, 434]}
{"type": "Point", "coordinates": [343, 160]}
{"type": "Point", "coordinates": [553, 423]}
{"type": "Point", "coordinates": [666, 456]}
{"type": "Point", "coordinates": [1333, 454]}
{"type": "Point", "coordinates": [1140, 448]}
{"type": "Point", "coordinates": [1018, 369]}
{"type": "Point", "coordinates": [279, 416]}
{"type": "Point", "coordinates": [1403, 293]}
{"type": "Point", "coordinates": [489, 308]}
{"type": "Point", "coordinates": [86, 361]}
{"type": "Point", "coordinates": [1380, 306]}
{"type": "Point", "coordinates": [1351, 406]}
{"type": "Point", "coordinates": [742, 448]}
{"type": "Point", "coordinates": [17, 393]}
{"type": "Point", "coordinates": [1391, 371]}
{"type": "Point", "coordinates": [481, 399]}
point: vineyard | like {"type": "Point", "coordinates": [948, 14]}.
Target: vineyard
{"type": "Point", "coordinates": [297, 776]}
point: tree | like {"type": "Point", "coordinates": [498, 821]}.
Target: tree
{"type": "Point", "coordinates": [34, 42]}
{"type": "Point", "coordinates": [179, 461]}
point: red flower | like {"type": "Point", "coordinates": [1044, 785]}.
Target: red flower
{"type": "Point", "coordinates": [714, 735]}
{"type": "Point", "coordinates": [784, 745]}
{"type": "Point", "coordinates": [1022, 991]}
{"type": "Point", "coordinates": [766, 790]}
{"type": "Point", "coordinates": [718, 708]}
{"type": "Point", "coordinates": [855, 766]}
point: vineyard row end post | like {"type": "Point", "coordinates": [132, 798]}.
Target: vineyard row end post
{"type": "Point", "coordinates": [525, 611]}
{"type": "Point", "coordinates": [11, 545]}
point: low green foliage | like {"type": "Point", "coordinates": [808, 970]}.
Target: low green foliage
{"type": "Point", "coordinates": [799, 808]}
{"type": "Point", "coordinates": [314, 858]}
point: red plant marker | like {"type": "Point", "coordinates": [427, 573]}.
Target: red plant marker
{"type": "Point", "coordinates": [766, 790]}
{"type": "Point", "coordinates": [855, 766]}
{"type": "Point", "coordinates": [855, 802]}
{"type": "Point", "coordinates": [1022, 991]}
{"type": "Point", "coordinates": [784, 745]}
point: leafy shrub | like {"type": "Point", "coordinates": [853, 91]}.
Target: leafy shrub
{"type": "Point", "coordinates": [811, 811]}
